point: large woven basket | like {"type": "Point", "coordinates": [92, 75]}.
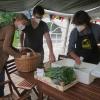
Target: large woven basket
{"type": "Point", "coordinates": [28, 63]}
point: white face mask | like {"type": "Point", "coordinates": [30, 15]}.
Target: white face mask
{"type": "Point", "coordinates": [21, 27]}
{"type": "Point", "coordinates": [80, 27]}
{"type": "Point", "coordinates": [37, 20]}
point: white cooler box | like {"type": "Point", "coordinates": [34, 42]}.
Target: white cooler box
{"type": "Point", "coordinates": [86, 72]}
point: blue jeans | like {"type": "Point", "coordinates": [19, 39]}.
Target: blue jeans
{"type": "Point", "coordinates": [2, 78]}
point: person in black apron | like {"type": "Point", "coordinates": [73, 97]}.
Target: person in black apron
{"type": "Point", "coordinates": [83, 39]}
{"type": "Point", "coordinates": [86, 47]}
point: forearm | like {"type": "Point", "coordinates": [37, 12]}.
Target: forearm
{"type": "Point", "coordinates": [73, 55]}
{"type": "Point", "coordinates": [49, 42]}
{"type": "Point", "coordinates": [9, 50]}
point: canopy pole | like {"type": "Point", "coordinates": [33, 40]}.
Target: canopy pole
{"type": "Point", "coordinates": [58, 13]}
{"type": "Point", "coordinates": [66, 34]}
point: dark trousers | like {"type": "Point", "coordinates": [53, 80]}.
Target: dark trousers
{"type": "Point", "coordinates": [2, 78]}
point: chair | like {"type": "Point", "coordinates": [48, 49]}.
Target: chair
{"type": "Point", "coordinates": [11, 95]}
{"type": "Point", "coordinates": [61, 57]}
{"type": "Point", "coordinates": [10, 68]}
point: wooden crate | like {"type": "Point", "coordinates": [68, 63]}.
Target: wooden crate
{"type": "Point", "coordinates": [49, 81]}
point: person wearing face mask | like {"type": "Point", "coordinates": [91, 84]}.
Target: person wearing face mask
{"type": "Point", "coordinates": [34, 33]}
{"type": "Point", "coordinates": [19, 23]}
{"type": "Point", "coordinates": [84, 39]}
{"type": "Point", "coordinates": [21, 27]}
{"type": "Point", "coordinates": [6, 47]}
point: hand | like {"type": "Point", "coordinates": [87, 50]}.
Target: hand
{"type": "Point", "coordinates": [77, 60]}
{"type": "Point", "coordinates": [18, 55]}
{"type": "Point", "coordinates": [52, 58]}
{"type": "Point", "coordinates": [21, 49]}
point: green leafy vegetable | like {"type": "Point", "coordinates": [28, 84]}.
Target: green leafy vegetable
{"type": "Point", "coordinates": [62, 74]}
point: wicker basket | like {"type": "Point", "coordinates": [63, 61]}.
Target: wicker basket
{"type": "Point", "coordinates": [27, 63]}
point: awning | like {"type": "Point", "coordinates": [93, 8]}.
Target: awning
{"type": "Point", "coordinates": [64, 6]}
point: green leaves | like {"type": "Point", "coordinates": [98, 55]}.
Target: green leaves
{"type": "Point", "coordinates": [62, 74]}
{"type": "Point", "coordinates": [6, 18]}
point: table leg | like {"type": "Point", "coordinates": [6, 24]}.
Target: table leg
{"type": "Point", "coordinates": [40, 95]}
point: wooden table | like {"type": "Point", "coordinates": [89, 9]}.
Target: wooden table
{"type": "Point", "coordinates": [78, 92]}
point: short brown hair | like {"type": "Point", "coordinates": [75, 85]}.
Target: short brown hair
{"type": "Point", "coordinates": [38, 10]}
{"type": "Point", "coordinates": [21, 16]}
{"type": "Point", "coordinates": [81, 17]}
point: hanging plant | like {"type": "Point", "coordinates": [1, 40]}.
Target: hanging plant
{"type": "Point", "coordinates": [6, 18]}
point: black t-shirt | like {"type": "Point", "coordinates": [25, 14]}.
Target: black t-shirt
{"type": "Point", "coordinates": [34, 37]}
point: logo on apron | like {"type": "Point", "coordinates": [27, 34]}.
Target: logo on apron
{"type": "Point", "coordinates": [86, 44]}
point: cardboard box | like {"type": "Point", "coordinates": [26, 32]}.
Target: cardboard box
{"type": "Point", "coordinates": [83, 72]}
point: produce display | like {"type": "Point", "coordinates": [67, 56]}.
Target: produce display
{"type": "Point", "coordinates": [61, 75]}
